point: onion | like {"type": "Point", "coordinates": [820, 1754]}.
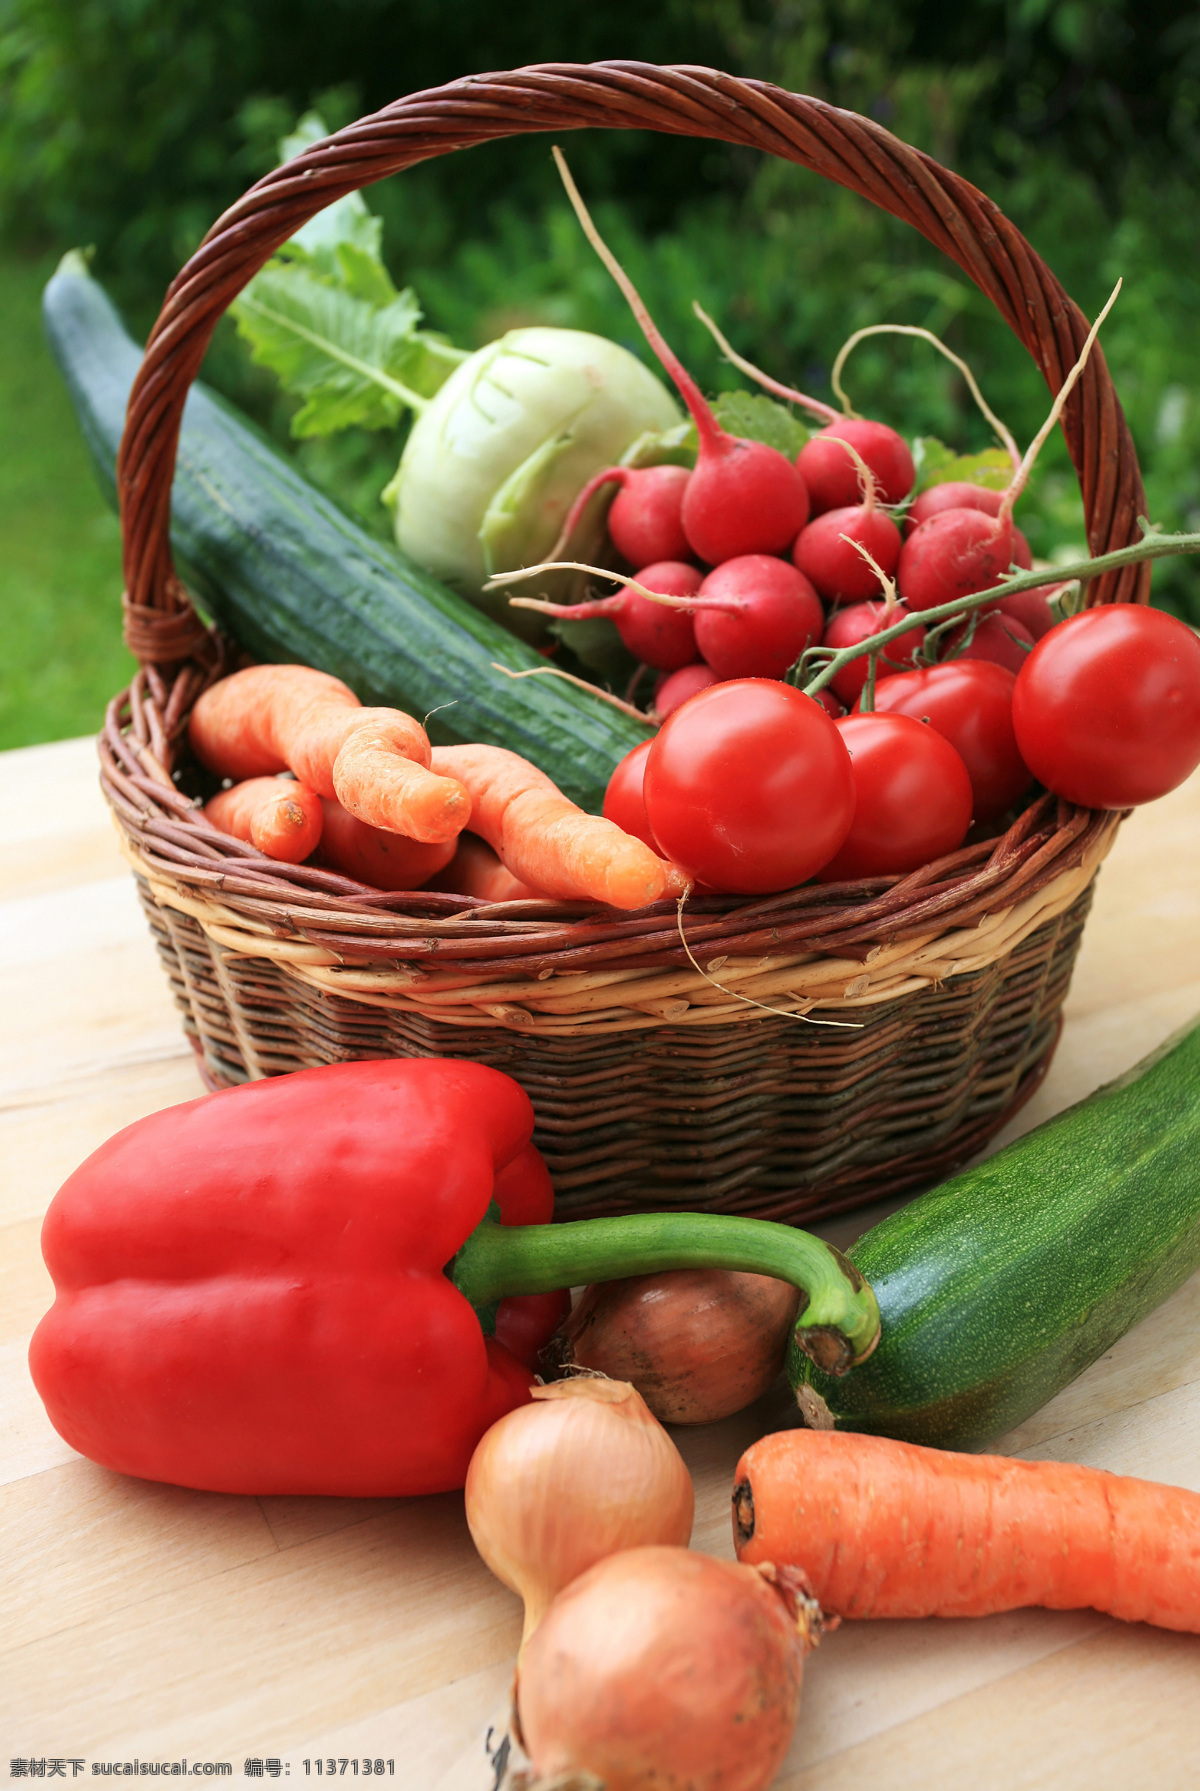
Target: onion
{"type": "Point", "coordinates": [557, 1485]}
{"type": "Point", "coordinates": [659, 1667]}
{"type": "Point", "coordinates": [697, 1344]}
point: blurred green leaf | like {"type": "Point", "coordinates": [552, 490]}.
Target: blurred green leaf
{"type": "Point", "coordinates": [939, 465]}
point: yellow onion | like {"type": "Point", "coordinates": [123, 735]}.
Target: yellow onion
{"type": "Point", "coordinates": [580, 1473]}
{"type": "Point", "coordinates": [697, 1344]}
{"type": "Point", "coordinates": [660, 1667]}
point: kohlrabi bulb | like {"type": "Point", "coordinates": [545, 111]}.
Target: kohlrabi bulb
{"type": "Point", "coordinates": [494, 461]}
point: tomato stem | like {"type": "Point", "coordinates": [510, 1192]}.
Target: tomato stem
{"type": "Point", "coordinates": [1152, 547]}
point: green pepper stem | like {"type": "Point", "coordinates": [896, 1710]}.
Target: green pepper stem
{"type": "Point", "coordinates": [838, 1322]}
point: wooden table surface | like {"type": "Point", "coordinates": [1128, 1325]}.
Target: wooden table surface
{"type": "Point", "coordinates": [146, 1622]}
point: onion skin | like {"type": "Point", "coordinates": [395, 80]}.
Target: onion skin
{"type": "Point", "coordinates": [698, 1344]}
{"type": "Point", "coordinates": [664, 1668]}
{"type": "Point", "coordinates": [557, 1485]}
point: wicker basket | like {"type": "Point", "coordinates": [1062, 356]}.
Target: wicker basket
{"type": "Point", "coordinates": [702, 1076]}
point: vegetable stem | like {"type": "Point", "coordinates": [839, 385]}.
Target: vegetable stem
{"type": "Point", "coordinates": [838, 1322]}
{"type": "Point", "coordinates": [1152, 547]}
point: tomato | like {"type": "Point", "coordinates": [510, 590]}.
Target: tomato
{"type": "Point", "coordinates": [912, 798]}
{"type": "Point", "coordinates": [749, 787]}
{"type": "Point", "coordinates": [969, 703]}
{"type": "Point", "coordinates": [623, 802]}
{"type": "Point", "coordinates": [1107, 706]}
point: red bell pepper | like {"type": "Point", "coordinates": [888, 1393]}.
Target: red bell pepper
{"type": "Point", "coordinates": [285, 1287]}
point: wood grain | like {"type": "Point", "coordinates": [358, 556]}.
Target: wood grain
{"type": "Point", "coordinates": [144, 1621]}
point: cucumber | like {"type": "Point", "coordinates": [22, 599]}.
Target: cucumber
{"type": "Point", "coordinates": [285, 571]}
{"type": "Point", "coordinates": [999, 1287]}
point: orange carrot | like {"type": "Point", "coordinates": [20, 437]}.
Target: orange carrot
{"type": "Point", "coordinates": [276, 814]}
{"type": "Point", "coordinates": [543, 839]}
{"type": "Point", "coordinates": [476, 871]}
{"type": "Point", "coordinates": [888, 1529]}
{"type": "Point", "coordinates": [374, 855]}
{"type": "Point", "coordinates": [380, 775]}
{"type": "Point", "coordinates": [272, 718]}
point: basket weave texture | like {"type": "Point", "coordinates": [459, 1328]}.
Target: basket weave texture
{"type": "Point", "coordinates": [701, 1070]}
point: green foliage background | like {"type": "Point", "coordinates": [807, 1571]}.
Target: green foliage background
{"type": "Point", "coordinates": [131, 123]}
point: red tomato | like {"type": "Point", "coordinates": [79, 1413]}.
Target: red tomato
{"type": "Point", "coordinates": [912, 798]}
{"type": "Point", "coordinates": [969, 703]}
{"type": "Point", "coordinates": [623, 801]}
{"type": "Point", "coordinates": [749, 787]}
{"type": "Point", "coordinates": [1107, 706]}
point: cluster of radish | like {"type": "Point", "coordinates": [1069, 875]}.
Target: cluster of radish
{"type": "Point", "coordinates": [751, 786]}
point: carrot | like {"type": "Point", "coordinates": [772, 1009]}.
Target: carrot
{"type": "Point", "coordinates": [888, 1529]}
{"type": "Point", "coordinates": [374, 855]}
{"type": "Point", "coordinates": [276, 814]}
{"type": "Point", "coordinates": [380, 775]}
{"type": "Point", "coordinates": [272, 718]}
{"type": "Point", "coordinates": [476, 871]}
{"type": "Point", "coordinates": [543, 839]}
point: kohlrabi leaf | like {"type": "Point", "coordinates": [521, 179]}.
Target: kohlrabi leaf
{"type": "Point", "coordinates": [937, 465]}
{"type": "Point", "coordinates": [352, 362]}
{"type": "Point", "coordinates": [660, 447]}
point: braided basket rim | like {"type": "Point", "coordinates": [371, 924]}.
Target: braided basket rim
{"type": "Point", "coordinates": [180, 656]}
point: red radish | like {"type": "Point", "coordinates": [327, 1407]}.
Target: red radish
{"type": "Point", "coordinates": [659, 635]}
{"type": "Point", "coordinates": [955, 494]}
{"type": "Point", "coordinates": [838, 571]}
{"type": "Point", "coordinates": [675, 689]}
{"type": "Point", "coordinates": [662, 1669]}
{"type": "Point", "coordinates": [846, 627]}
{"type": "Point", "coordinates": [999, 638]}
{"type": "Point", "coordinates": [1022, 557]}
{"type": "Point", "coordinates": [961, 551]}
{"type": "Point", "coordinates": [969, 702]}
{"type": "Point", "coordinates": [623, 802]}
{"type": "Point", "coordinates": [644, 520]}
{"type": "Point", "coordinates": [912, 798]}
{"type": "Point", "coordinates": [832, 475]}
{"type": "Point", "coordinates": [1031, 609]}
{"type": "Point", "coordinates": [742, 497]}
{"type": "Point", "coordinates": [954, 554]}
{"type": "Point", "coordinates": [754, 617]}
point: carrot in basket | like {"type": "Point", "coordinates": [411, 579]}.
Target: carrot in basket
{"type": "Point", "coordinates": [543, 839]}
{"type": "Point", "coordinates": [374, 855]}
{"type": "Point", "coordinates": [278, 815]}
{"type": "Point", "coordinates": [476, 871]}
{"type": "Point", "coordinates": [272, 718]}
{"type": "Point", "coordinates": [888, 1529]}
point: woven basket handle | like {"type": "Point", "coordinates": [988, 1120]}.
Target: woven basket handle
{"type": "Point", "coordinates": [161, 626]}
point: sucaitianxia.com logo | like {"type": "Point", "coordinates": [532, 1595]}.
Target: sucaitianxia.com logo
{"type": "Point", "coordinates": [57, 1769]}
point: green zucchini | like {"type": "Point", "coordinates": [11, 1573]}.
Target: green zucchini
{"type": "Point", "coordinates": [283, 569]}
{"type": "Point", "coordinates": [999, 1287]}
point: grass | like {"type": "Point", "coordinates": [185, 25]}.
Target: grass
{"type": "Point", "coordinates": [60, 546]}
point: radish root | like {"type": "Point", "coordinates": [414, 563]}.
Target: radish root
{"type": "Point", "coordinates": [787, 1013]}
{"type": "Point", "coordinates": [1004, 435]}
{"type": "Point", "coordinates": [1021, 477]}
{"type": "Point", "coordinates": [815, 405]}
